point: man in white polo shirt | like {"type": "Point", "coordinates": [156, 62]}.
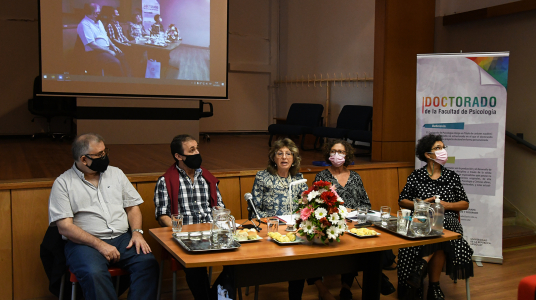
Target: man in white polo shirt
{"type": "Point", "coordinates": [98, 45]}
{"type": "Point", "coordinates": [93, 205]}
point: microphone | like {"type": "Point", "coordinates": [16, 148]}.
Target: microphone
{"type": "Point", "coordinates": [291, 224]}
{"type": "Point", "coordinates": [251, 209]}
{"type": "Point", "coordinates": [295, 183]}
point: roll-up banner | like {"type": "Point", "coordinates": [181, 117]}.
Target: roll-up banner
{"type": "Point", "coordinates": [462, 97]}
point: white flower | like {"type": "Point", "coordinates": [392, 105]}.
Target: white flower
{"type": "Point", "coordinates": [343, 211]}
{"type": "Point", "coordinates": [340, 199]}
{"type": "Point", "coordinates": [307, 227]}
{"type": "Point", "coordinates": [312, 195]}
{"type": "Point", "coordinates": [334, 218]}
{"type": "Point", "coordinates": [319, 200]}
{"type": "Point", "coordinates": [320, 213]}
{"type": "Point", "coordinates": [332, 232]}
{"type": "Point", "coordinates": [342, 226]}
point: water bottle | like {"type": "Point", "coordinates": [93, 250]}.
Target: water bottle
{"type": "Point", "coordinates": [439, 215]}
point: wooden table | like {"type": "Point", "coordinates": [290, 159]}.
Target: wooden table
{"type": "Point", "coordinates": [265, 262]}
{"type": "Point", "coordinates": [158, 53]}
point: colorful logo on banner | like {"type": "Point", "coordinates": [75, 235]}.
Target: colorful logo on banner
{"type": "Point", "coordinates": [497, 67]}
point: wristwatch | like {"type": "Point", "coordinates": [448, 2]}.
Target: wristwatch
{"type": "Point", "coordinates": [138, 230]}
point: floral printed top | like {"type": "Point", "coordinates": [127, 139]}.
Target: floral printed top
{"type": "Point", "coordinates": [270, 193]}
{"type": "Point", "coordinates": [353, 193]}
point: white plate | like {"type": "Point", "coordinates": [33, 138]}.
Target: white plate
{"type": "Point", "coordinates": [297, 241]}
{"type": "Point", "coordinates": [247, 241]}
{"type": "Point", "coordinates": [362, 236]}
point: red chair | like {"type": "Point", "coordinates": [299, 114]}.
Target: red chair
{"type": "Point", "coordinates": [114, 272]}
{"type": "Point", "coordinates": [527, 288]}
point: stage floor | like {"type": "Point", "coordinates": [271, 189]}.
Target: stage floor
{"type": "Point", "coordinates": [23, 158]}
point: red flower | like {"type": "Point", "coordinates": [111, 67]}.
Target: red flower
{"type": "Point", "coordinates": [321, 184]}
{"type": "Point", "coordinates": [325, 222]}
{"type": "Point", "coordinates": [333, 210]}
{"type": "Point", "coordinates": [329, 198]}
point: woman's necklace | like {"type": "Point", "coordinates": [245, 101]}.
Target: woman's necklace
{"type": "Point", "coordinates": [283, 183]}
{"type": "Point", "coordinates": [432, 173]}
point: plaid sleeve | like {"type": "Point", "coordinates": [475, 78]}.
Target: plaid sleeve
{"type": "Point", "coordinates": [110, 29]}
{"type": "Point", "coordinates": [161, 199]}
{"type": "Point", "coordinates": [220, 201]}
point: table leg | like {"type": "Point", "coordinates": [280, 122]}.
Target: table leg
{"type": "Point", "coordinates": [372, 271]}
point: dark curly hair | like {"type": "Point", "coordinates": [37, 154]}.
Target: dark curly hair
{"type": "Point", "coordinates": [425, 144]}
{"type": "Point", "coordinates": [347, 147]}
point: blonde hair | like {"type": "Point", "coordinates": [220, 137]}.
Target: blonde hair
{"type": "Point", "coordinates": [272, 166]}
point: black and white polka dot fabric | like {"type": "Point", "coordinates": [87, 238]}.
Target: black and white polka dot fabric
{"type": "Point", "coordinates": [458, 252]}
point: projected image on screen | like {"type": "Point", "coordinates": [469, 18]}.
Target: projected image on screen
{"type": "Point", "coordinates": [140, 39]}
{"type": "Point", "coordinates": [128, 44]}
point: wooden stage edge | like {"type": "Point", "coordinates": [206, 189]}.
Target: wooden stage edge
{"type": "Point", "coordinates": [224, 173]}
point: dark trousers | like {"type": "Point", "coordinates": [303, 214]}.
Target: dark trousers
{"type": "Point", "coordinates": [91, 269]}
{"type": "Point", "coordinates": [295, 287]}
{"type": "Point", "coordinates": [197, 280]}
{"type": "Point", "coordinates": [112, 65]}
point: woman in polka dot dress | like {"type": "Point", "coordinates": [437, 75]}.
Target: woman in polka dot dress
{"type": "Point", "coordinates": [414, 263]}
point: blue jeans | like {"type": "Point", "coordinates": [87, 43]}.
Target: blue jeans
{"type": "Point", "coordinates": [91, 270]}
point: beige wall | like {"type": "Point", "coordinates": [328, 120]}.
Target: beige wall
{"type": "Point", "coordinates": [514, 33]}
{"type": "Point", "coordinates": [321, 37]}
{"type": "Point", "coordinates": [253, 30]}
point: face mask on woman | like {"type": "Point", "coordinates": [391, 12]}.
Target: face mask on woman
{"type": "Point", "coordinates": [337, 159]}
{"type": "Point", "coordinates": [441, 156]}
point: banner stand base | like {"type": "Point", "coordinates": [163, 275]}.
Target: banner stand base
{"type": "Point", "coordinates": [480, 259]}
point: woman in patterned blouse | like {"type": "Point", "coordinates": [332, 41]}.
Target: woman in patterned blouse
{"type": "Point", "coordinates": [270, 190]}
{"type": "Point", "coordinates": [339, 154]}
{"type": "Point", "coordinates": [414, 263]}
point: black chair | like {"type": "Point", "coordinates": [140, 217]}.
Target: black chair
{"type": "Point", "coordinates": [49, 107]}
{"type": "Point", "coordinates": [353, 120]}
{"type": "Point", "coordinates": [301, 119]}
{"type": "Point", "coordinates": [205, 114]}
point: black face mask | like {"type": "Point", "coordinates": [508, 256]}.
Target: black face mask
{"type": "Point", "coordinates": [99, 164]}
{"type": "Point", "coordinates": [193, 161]}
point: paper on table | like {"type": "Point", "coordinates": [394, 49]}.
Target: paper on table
{"type": "Point", "coordinates": [287, 218]}
{"type": "Point", "coordinates": [352, 214]}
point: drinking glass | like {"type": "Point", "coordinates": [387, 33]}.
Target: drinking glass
{"type": "Point", "coordinates": [176, 223]}
{"type": "Point", "coordinates": [402, 221]}
{"type": "Point", "coordinates": [273, 224]}
{"type": "Point", "coordinates": [362, 214]}
{"type": "Point", "coordinates": [385, 212]}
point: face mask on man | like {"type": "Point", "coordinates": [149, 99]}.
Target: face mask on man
{"type": "Point", "coordinates": [193, 161]}
{"type": "Point", "coordinates": [337, 159]}
{"type": "Point", "coordinates": [441, 156]}
{"type": "Point", "coordinates": [99, 164]}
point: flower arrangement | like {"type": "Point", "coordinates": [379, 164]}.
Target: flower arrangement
{"type": "Point", "coordinates": [321, 213]}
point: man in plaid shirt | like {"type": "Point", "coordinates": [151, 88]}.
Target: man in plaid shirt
{"type": "Point", "coordinates": [188, 189]}
{"type": "Point", "coordinates": [115, 31]}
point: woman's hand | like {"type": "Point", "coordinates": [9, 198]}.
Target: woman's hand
{"type": "Point", "coordinates": [430, 200]}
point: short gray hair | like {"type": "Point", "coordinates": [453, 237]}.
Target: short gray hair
{"type": "Point", "coordinates": [81, 144]}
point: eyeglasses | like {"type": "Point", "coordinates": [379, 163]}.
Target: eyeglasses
{"type": "Point", "coordinates": [439, 148]}
{"type": "Point", "coordinates": [341, 152]}
{"type": "Point", "coordinates": [100, 155]}
{"type": "Point", "coordinates": [281, 154]}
